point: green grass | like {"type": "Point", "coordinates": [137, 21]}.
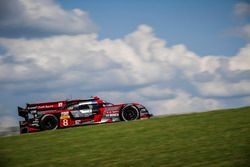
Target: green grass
{"type": "Point", "coordinates": [219, 138]}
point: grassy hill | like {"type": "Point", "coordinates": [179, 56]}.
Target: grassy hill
{"type": "Point", "coordinates": [219, 138]}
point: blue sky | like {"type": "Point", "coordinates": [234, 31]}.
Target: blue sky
{"type": "Point", "coordinates": [172, 56]}
{"type": "Point", "coordinates": [203, 26]}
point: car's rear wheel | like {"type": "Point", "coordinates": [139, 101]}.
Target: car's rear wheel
{"type": "Point", "coordinates": [23, 130]}
{"type": "Point", "coordinates": [49, 122]}
{"type": "Point", "coordinates": [129, 113]}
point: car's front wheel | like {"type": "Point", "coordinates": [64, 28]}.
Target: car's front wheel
{"type": "Point", "coordinates": [48, 122]}
{"type": "Point", "coordinates": [129, 113]}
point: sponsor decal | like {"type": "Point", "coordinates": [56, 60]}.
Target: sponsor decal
{"type": "Point", "coordinates": [31, 108]}
{"type": "Point", "coordinates": [64, 113]}
{"type": "Point", "coordinates": [77, 122]}
{"type": "Point", "coordinates": [65, 122]}
{"type": "Point", "coordinates": [112, 112]}
{"type": "Point", "coordinates": [112, 115]}
{"type": "Point", "coordinates": [65, 117]}
{"type": "Point", "coordinates": [112, 108]}
{"type": "Point", "coordinates": [36, 121]}
{"type": "Point", "coordinates": [60, 104]}
{"type": "Point", "coordinates": [45, 106]}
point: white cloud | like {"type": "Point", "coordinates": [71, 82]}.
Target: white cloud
{"type": "Point", "coordinates": [242, 9]}
{"type": "Point", "coordinates": [242, 60]}
{"type": "Point", "coordinates": [225, 89]}
{"type": "Point", "coordinates": [184, 103]}
{"type": "Point", "coordinates": [226, 76]}
{"type": "Point", "coordinates": [140, 66]}
{"type": "Point", "coordinates": [242, 31]}
{"type": "Point", "coordinates": [42, 18]}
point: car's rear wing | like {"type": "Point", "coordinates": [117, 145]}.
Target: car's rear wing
{"type": "Point", "coordinates": [23, 112]}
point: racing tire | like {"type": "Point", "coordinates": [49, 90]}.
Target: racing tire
{"type": "Point", "coordinates": [23, 130]}
{"type": "Point", "coordinates": [48, 122]}
{"type": "Point", "coordinates": [129, 113]}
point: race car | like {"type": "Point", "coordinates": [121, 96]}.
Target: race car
{"type": "Point", "coordinates": [70, 113]}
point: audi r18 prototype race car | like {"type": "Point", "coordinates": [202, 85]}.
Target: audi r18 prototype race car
{"type": "Point", "coordinates": [68, 113]}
